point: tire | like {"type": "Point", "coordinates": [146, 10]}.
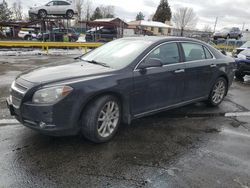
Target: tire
{"type": "Point", "coordinates": [69, 14]}
{"type": "Point", "coordinates": [239, 76]}
{"type": "Point", "coordinates": [42, 13]}
{"type": "Point", "coordinates": [218, 92]}
{"type": "Point", "coordinates": [28, 37]}
{"type": "Point", "coordinates": [96, 119]}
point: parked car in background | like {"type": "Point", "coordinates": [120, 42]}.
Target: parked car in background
{"type": "Point", "coordinates": [245, 46]}
{"type": "Point", "coordinates": [59, 34]}
{"type": "Point", "coordinates": [102, 34]}
{"type": "Point", "coordinates": [243, 64]}
{"type": "Point", "coordinates": [228, 33]}
{"type": "Point", "coordinates": [27, 34]}
{"type": "Point", "coordinates": [118, 82]}
{"type": "Point", "coordinates": [56, 7]}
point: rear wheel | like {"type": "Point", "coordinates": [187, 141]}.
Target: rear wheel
{"type": "Point", "coordinates": [42, 13]}
{"type": "Point", "coordinates": [101, 119]}
{"type": "Point", "coordinates": [239, 76]}
{"type": "Point", "coordinates": [69, 14]}
{"type": "Point", "coordinates": [27, 37]}
{"type": "Point", "coordinates": [218, 92]}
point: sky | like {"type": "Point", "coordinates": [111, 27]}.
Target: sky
{"type": "Point", "coordinates": [230, 13]}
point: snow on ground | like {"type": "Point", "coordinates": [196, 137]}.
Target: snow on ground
{"type": "Point", "coordinates": [28, 52]}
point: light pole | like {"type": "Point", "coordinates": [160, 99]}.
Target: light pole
{"type": "Point", "coordinates": [215, 24]}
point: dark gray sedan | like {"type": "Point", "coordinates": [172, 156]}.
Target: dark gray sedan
{"type": "Point", "coordinates": [122, 80]}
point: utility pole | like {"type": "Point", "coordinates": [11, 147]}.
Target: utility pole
{"type": "Point", "coordinates": [215, 24]}
{"type": "Point", "coordinates": [243, 26]}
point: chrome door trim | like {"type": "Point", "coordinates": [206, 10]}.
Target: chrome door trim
{"type": "Point", "coordinates": [169, 107]}
{"type": "Point", "coordinates": [187, 62]}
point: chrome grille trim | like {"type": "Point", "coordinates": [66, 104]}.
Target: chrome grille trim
{"type": "Point", "coordinates": [18, 88]}
{"type": "Point", "coordinates": [17, 93]}
{"type": "Point", "coordinates": [15, 101]}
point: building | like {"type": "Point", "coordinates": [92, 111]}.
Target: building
{"type": "Point", "coordinates": [150, 27]}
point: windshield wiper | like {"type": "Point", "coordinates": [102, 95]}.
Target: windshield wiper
{"type": "Point", "coordinates": [97, 63]}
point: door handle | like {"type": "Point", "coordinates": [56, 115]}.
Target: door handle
{"type": "Point", "coordinates": [179, 71]}
{"type": "Point", "coordinates": [213, 65]}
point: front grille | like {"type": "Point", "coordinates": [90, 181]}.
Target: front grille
{"type": "Point", "coordinates": [15, 101]}
{"type": "Point", "coordinates": [17, 93]}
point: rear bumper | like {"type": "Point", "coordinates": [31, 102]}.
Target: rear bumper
{"type": "Point", "coordinates": [43, 119]}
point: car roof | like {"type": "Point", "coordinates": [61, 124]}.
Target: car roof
{"type": "Point", "coordinates": [155, 39]}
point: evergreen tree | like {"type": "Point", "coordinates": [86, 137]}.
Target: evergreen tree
{"type": "Point", "coordinates": [163, 12]}
{"type": "Point", "coordinates": [5, 12]}
{"type": "Point", "coordinates": [140, 16]}
{"type": "Point", "coordinates": [97, 14]}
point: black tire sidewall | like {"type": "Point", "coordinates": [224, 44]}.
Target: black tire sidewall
{"type": "Point", "coordinates": [67, 14]}
{"type": "Point", "coordinates": [90, 116]}
{"type": "Point", "coordinates": [210, 100]}
{"type": "Point", "coordinates": [239, 75]}
{"type": "Point", "coordinates": [39, 13]}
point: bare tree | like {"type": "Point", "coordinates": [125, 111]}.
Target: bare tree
{"type": "Point", "coordinates": [207, 28]}
{"type": "Point", "coordinates": [87, 10]}
{"type": "Point", "coordinates": [79, 8]}
{"type": "Point", "coordinates": [17, 10]}
{"type": "Point", "coordinates": [185, 18]}
{"type": "Point", "coordinates": [150, 18]}
{"type": "Point", "coordinates": [107, 11]}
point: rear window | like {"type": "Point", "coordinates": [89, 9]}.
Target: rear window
{"type": "Point", "coordinates": [62, 3]}
{"type": "Point", "coordinates": [208, 54]}
{"type": "Point", "coordinates": [193, 52]}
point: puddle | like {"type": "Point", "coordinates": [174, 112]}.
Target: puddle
{"type": "Point", "coordinates": [235, 133]}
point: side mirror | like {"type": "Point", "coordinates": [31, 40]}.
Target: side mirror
{"type": "Point", "coordinates": [152, 62]}
{"type": "Point", "coordinates": [223, 52]}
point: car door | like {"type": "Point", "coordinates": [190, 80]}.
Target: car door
{"type": "Point", "coordinates": [54, 8]}
{"type": "Point", "coordinates": [62, 7]}
{"type": "Point", "coordinates": [49, 7]}
{"type": "Point", "coordinates": [156, 88]}
{"type": "Point", "coordinates": [199, 70]}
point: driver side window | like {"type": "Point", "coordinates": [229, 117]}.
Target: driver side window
{"type": "Point", "coordinates": [167, 53]}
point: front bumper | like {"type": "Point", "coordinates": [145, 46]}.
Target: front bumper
{"type": "Point", "coordinates": [243, 66]}
{"type": "Point", "coordinates": [42, 118]}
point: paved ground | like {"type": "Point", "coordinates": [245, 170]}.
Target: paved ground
{"type": "Point", "coordinates": [194, 146]}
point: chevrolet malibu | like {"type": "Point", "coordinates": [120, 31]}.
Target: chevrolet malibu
{"type": "Point", "coordinates": [118, 82]}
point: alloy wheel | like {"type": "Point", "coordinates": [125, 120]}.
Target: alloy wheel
{"type": "Point", "coordinates": [219, 92]}
{"type": "Point", "coordinates": [108, 119]}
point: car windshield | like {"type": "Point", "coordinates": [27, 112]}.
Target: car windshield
{"type": "Point", "coordinates": [246, 45]}
{"type": "Point", "coordinates": [119, 53]}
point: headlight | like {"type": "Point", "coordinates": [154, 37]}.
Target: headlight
{"type": "Point", "coordinates": [51, 95]}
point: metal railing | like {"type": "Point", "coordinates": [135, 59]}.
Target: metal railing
{"type": "Point", "coordinates": [228, 48]}
{"type": "Point", "coordinates": [46, 45]}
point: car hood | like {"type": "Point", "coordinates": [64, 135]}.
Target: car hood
{"type": "Point", "coordinates": [55, 72]}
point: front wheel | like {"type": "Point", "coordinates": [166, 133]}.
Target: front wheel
{"type": "Point", "coordinates": [101, 119]}
{"type": "Point", "coordinates": [69, 14]}
{"type": "Point", "coordinates": [218, 92]}
{"type": "Point", "coordinates": [239, 76]}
